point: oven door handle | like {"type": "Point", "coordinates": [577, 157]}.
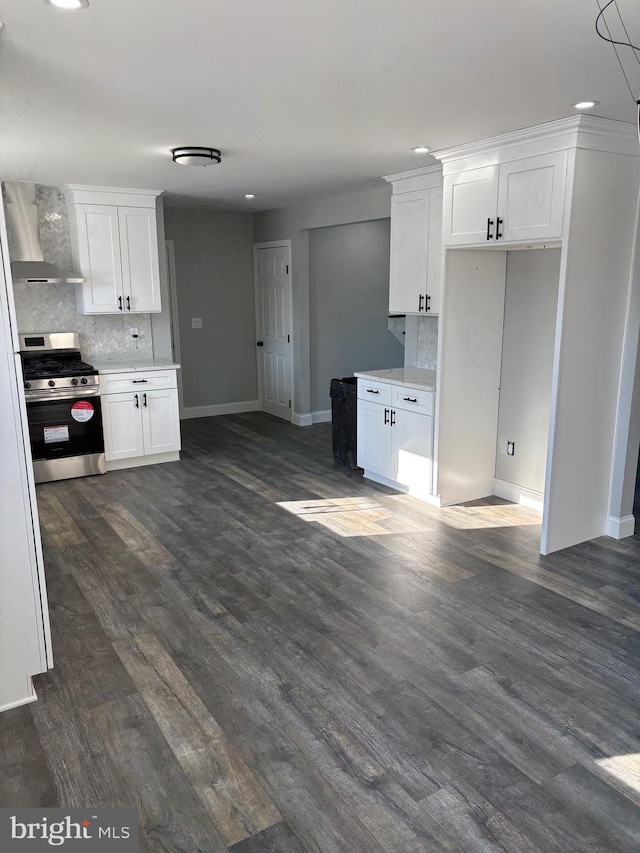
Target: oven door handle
{"type": "Point", "coordinates": [61, 394]}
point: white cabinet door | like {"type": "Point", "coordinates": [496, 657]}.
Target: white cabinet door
{"type": "Point", "coordinates": [122, 422]}
{"type": "Point", "coordinates": [409, 252]}
{"type": "Point", "coordinates": [412, 451]}
{"type": "Point", "coordinates": [531, 197]}
{"type": "Point", "coordinates": [470, 204]}
{"type": "Point", "coordinates": [96, 243]}
{"type": "Point", "coordinates": [160, 421]}
{"type": "Point", "coordinates": [374, 438]}
{"type": "Point", "coordinates": [436, 251]}
{"type": "Point", "coordinates": [140, 261]}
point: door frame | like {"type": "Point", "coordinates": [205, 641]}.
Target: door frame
{"type": "Point", "coordinates": [272, 244]}
{"type": "Point", "coordinates": [170, 255]}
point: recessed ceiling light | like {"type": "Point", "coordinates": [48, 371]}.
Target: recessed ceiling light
{"type": "Point", "coordinates": [68, 4]}
{"type": "Point", "coordinates": [249, 195]}
{"type": "Point", "coordinates": [194, 155]}
{"type": "Point", "coordinates": [586, 105]}
{"type": "Point", "coordinates": [421, 149]}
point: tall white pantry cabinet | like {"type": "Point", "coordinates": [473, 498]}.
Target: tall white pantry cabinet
{"type": "Point", "coordinates": [571, 184]}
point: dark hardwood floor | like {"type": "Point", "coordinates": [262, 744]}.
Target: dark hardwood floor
{"type": "Point", "coordinates": [263, 652]}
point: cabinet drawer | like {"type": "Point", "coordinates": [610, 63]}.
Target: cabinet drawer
{"type": "Point", "coordinates": [117, 383]}
{"type": "Point", "coordinates": [375, 392]}
{"type": "Point", "coordinates": [412, 399]}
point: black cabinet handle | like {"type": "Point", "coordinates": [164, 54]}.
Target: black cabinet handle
{"type": "Point", "coordinates": [411, 399]}
{"type": "Point", "coordinates": [386, 416]}
{"type": "Point", "coordinates": [138, 381]}
{"type": "Point", "coordinates": [371, 391]}
{"type": "Point", "coordinates": [120, 302]}
{"type": "Point", "coordinates": [144, 399]}
{"type": "Point", "coordinates": [489, 224]}
{"type": "Point", "coordinates": [428, 308]}
{"type": "Point", "coordinates": [393, 418]}
{"type": "Point", "coordinates": [499, 222]}
{"type": "Point", "coordinates": [128, 303]}
{"type": "Point", "coordinates": [420, 301]}
{"type": "Point", "coordinates": [137, 401]}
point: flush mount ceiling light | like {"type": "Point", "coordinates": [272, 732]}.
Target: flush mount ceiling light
{"type": "Point", "coordinates": [421, 149]}
{"type": "Point", "coordinates": [68, 4]}
{"type": "Point", "coordinates": [249, 195]}
{"type": "Point", "coordinates": [193, 155]}
{"type": "Point", "coordinates": [585, 105]}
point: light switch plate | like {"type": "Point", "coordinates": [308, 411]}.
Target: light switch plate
{"type": "Point", "coordinates": [196, 322]}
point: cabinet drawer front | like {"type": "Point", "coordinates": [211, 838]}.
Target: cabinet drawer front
{"type": "Point", "coordinates": [413, 400]}
{"type": "Point", "coordinates": [375, 392]}
{"type": "Point", "coordinates": [117, 383]}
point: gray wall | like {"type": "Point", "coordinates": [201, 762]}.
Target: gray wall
{"type": "Point", "coordinates": [292, 223]}
{"type": "Point", "coordinates": [214, 280]}
{"type": "Point", "coordinates": [348, 304]}
{"type": "Point", "coordinates": [527, 364]}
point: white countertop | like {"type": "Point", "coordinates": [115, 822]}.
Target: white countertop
{"type": "Point", "coordinates": [414, 377]}
{"type": "Point", "coordinates": [134, 365]}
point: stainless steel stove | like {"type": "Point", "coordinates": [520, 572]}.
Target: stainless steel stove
{"type": "Point", "coordinates": [62, 393]}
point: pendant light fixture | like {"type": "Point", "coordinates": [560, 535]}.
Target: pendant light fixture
{"type": "Point", "coordinates": [194, 155]}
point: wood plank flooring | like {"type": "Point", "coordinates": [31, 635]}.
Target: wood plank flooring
{"type": "Point", "coordinates": [261, 651]}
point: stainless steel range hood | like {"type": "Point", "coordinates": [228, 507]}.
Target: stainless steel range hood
{"type": "Point", "coordinates": [27, 261]}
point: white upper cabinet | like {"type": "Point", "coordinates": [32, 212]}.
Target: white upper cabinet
{"type": "Point", "coordinates": [514, 202]}
{"type": "Point", "coordinates": [140, 259]}
{"type": "Point", "coordinates": [470, 203]}
{"type": "Point", "coordinates": [531, 198]}
{"type": "Point", "coordinates": [416, 242]}
{"type": "Point", "coordinates": [115, 246]}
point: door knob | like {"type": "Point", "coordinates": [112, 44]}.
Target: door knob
{"type": "Point", "coordinates": [260, 344]}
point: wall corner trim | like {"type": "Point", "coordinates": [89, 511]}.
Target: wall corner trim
{"type": "Point", "coordinates": [302, 420]}
{"type": "Point", "coordinates": [219, 409]}
{"type": "Point", "coordinates": [620, 528]}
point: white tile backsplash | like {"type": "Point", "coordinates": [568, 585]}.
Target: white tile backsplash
{"type": "Point", "coordinates": [427, 352]}
{"type": "Point", "coordinates": [52, 307]}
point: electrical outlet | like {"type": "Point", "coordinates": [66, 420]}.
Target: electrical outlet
{"type": "Point", "coordinates": [196, 322]}
{"type": "Point", "coordinates": [511, 448]}
{"type": "Point", "coordinates": [134, 333]}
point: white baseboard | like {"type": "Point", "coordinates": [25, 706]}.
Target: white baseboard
{"type": "Point", "coordinates": [302, 420]}
{"type": "Point", "coordinates": [30, 696]}
{"type": "Point", "coordinates": [139, 461]}
{"type": "Point", "coordinates": [620, 528]}
{"type": "Point", "coordinates": [321, 417]}
{"type": "Point", "coordinates": [434, 500]}
{"type": "Point", "coordinates": [518, 494]}
{"type": "Point", "coordinates": [219, 409]}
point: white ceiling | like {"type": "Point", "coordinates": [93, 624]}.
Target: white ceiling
{"type": "Point", "coordinates": [302, 96]}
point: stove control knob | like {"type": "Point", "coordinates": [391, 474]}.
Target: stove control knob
{"type": "Point", "coordinates": [84, 380]}
{"type": "Point", "coordinates": [27, 385]}
{"type": "Point", "coordinates": [74, 381]}
{"type": "Point", "coordinates": [51, 383]}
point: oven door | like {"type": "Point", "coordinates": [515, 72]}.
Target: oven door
{"type": "Point", "coordinates": [66, 435]}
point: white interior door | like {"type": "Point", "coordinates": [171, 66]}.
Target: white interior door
{"type": "Point", "coordinates": [273, 327]}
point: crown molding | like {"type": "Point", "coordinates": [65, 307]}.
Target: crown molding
{"type": "Point", "coordinates": [580, 131]}
{"type": "Point", "coordinates": [423, 171]}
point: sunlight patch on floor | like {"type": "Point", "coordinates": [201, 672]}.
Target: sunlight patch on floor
{"type": "Point", "coordinates": [626, 768]}
{"type": "Point", "coordinates": [363, 516]}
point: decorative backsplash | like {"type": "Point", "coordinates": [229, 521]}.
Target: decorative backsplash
{"type": "Point", "coordinates": [427, 355]}
{"type": "Point", "coordinates": [52, 307]}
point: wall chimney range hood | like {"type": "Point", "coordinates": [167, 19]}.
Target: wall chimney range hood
{"type": "Point", "coordinates": [27, 261]}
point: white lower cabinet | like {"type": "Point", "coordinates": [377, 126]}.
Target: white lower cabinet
{"type": "Point", "coordinates": [395, 443]}
{"type": "Point", "coordinates": [141, 425]}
